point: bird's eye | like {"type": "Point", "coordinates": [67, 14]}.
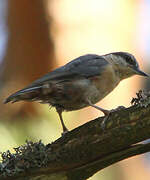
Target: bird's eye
{"type": "Point", "coordinates": [131, 61]}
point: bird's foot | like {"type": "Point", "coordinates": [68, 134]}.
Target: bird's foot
{"type": "Point", "coordinates": [106, 118]}
{"type": "Point", "coordinates": [64, 132]}
{"type": "Point", "coordinates": [107, 115]}
{"type": "Point", "coordinates": [117, 109]}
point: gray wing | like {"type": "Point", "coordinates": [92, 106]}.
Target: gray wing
{"type": "Point", "coordinates": [84, 66]}
{"type": "Point", "coordinates": [87, 65]}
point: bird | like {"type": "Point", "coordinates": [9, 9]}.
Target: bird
{"type": "Point", "coordinates": [80, 83]}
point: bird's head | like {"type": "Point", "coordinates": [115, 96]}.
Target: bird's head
{"type": "Point", "coordinates": [125, 63]}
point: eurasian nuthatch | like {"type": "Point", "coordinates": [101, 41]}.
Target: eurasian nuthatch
{"type": "Point", "coordinates": [80, 83]}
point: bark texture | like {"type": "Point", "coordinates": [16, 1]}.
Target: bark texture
{"type": "Point", "coordinates": [85, 150]}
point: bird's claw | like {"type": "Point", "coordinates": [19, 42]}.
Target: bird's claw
{"type": "Point", "coordinates": [106, 118]}
{"type": "Point", "coordinates": [117, 109]}
{"type": "Point", "coordinates": [64, 132]}
{"type": "Point", "coordinates": [103, 124]}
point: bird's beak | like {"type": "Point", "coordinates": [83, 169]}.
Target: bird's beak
{"type": "Point", "coordinates": [139, 72]}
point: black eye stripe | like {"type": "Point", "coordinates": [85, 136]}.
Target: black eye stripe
{"type": "Point", "coordinates": [128, 58]}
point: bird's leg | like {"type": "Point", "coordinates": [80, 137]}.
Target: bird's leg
{"type": "Point", "coordinates": [65, 130]}
{"type": "Point", "coordinates": [106, 112]}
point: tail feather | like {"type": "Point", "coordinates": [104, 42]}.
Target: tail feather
{"type": "Point", "coordinates": [24, 94]}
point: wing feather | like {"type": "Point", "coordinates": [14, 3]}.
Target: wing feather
{"type": "Point", "coordinates": [84, 66]}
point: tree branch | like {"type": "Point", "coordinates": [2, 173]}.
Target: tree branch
{"type": "Point", "coordinates": [85, 150]}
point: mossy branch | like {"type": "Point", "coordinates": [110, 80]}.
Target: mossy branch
{"type": "Point", "coordinates": [85, 150]}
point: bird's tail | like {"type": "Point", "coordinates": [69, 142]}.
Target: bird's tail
{"type": "Point", "coordinates": [29, 94]}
